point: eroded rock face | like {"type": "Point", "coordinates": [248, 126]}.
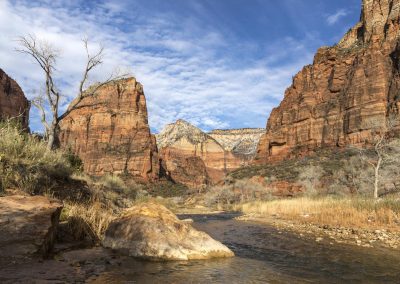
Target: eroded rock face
{"type": "Point", "coordinates": [188, 170]}
{"type": "Point", "coordinates": [13, 103]}
{"type": "Point", "coordinates": [332, 102]}
{"type": "Point", "coordinates": [28, 225]}
{"type": "Point", "coordinates": [195, 158]}
{"type": "Point", "coordinates": [179, 143]}
{"type": "Point", "coordinates": [151, 231]}
{"type": "Point", "coordinates": [241, 142]}
{"type": "Point", "coordinates": [110, 132]}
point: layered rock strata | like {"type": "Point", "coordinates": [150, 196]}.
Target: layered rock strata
{"type": "Point", "coordinates": [110, 132]}
{"type": "Point", "coordinates": [180, 143]}
{"type": "Point", "coordinates": [241, 142]}
{"type": "Point", "coordinates": [13, 103]}
{"type": "Point", "coordinates": [195, 158]}
{"type": "Point", "coordinates": [348, 89]}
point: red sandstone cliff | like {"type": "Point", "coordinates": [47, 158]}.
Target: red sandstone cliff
{"type": "Point", "coordinates": [332, 102]}
{"type": "Point", "coordinates": [110, 132]}
{"type": "Point", "coordinates": [13, 103]}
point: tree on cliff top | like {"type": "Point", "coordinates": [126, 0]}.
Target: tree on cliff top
{"type": "Point", "coordinates": [46, 56]}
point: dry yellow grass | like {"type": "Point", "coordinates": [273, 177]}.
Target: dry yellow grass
{"type": "Point", "coordinates": [92, 219]}
{"type": "Point", "coordinates": [359, 213]}
{"type": "Point", "coordinates": [26, 164]}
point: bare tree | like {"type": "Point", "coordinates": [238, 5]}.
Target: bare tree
{"type": "Point", "coordinates": [310, 177]}
{"type": "Point", "coordinates": [46, 56]}
{"type": "Point", "coordinates": [385, 150]}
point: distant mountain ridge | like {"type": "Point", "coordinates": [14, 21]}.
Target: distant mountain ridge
{"type": "Point", "coordinates": [239, 141]}
{"type": "Point", "coordinates": [215, 153]}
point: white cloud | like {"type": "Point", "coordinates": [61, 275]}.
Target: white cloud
{"type": "Point", "coordinates": [334, 18]}
{"type": "Point", "coordinates": [181, 74]}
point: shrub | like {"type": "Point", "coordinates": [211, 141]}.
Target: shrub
{"type": "Point", "coordinates": [235, 193]}
{"type": "Point", "coordinates": [220, 195]}
{"type": "Point", "coordinates": [310, 178]}
{"type": "Point", "coordinates": [355, 177]}
{"type": "Point", "coordinates": [113, 182]}
{"type": "Point", "coordinates": [167, 189]}
{"type": "Point", "coordinates": [74, 161]}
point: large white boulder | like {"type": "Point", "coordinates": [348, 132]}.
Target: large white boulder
{"type": "Point", "coordinates": [151, 231]}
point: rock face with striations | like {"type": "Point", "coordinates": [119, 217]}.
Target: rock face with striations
{"type": "Point", "coordinates": [195, 158]}
{"type": "Point", "coordinates": [189, 155]}
{"type": "Point", "coordinates": [110, 132]}
{"type": "Point", "coordinates": [13, 103]}
{"type": "Point", "coordinates": [332, 102]}
{"type": "Point", "coordinates": [241, 142]}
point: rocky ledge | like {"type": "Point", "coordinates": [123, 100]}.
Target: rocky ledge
{"type": "Point", "coordinates": [28, 226]}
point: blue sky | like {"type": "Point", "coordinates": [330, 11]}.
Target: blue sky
{"type": "Point", "coordinates": [215, 63]}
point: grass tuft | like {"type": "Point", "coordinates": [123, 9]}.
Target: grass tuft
{"type": "Point", "coordinates": [26, 163]}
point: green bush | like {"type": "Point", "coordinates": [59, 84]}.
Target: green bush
{"type": "Point", "coordinates": [74, 161]}
{"type": "Point", "coordinates": [166, 189]}
{"type": "Point", "coordinates": [113, 182]}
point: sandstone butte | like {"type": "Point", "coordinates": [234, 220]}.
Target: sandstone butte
{"type": "Point", "coordinates": [13, 103]}
{"type": "Point", "coordinates": [332, 102]}
{"type": "Point", "coordinates": [111, 134]}
{"type": "Point", "coordinates": [195, 158]}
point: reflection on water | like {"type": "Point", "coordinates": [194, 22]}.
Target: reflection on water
{"type": "Point", "coordinates": [263, 255]}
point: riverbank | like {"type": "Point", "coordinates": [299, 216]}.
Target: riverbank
{"type": "Point", "coordinates": [361, 222]}
{"type": "Point", "coordinates": [263, 254]}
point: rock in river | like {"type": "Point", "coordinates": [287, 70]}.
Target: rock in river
{"type": "Point", "coordinates": [151, 231]}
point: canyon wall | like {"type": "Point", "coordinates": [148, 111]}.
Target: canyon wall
{"type": "Point", "coordinates": [349, 88]}
{"type": "Point", "coordinates": [110, 132]}
{"type": "Point", "coordinates": [195, 158]}
{"type": "Point", "coordinates": [13, 103]}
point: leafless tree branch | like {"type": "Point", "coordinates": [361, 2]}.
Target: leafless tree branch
{"type": "Point", "coordinates": [46, 56]}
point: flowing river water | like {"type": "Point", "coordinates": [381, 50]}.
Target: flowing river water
{"type": "Point", "coordinates": [263, 255]}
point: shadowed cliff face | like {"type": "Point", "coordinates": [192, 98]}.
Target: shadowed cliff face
{"type": "Point", "coordinates": [110, 132]}
{"type": "Point", "coordinates": [332, 102]}
{"type": "Point", "coordinates": [195, 158]}
{"type": "Point", "coordinates": [13, 103]}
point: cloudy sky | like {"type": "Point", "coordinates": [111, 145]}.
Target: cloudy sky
{"type": "Point", "coordinates": [215, 63]}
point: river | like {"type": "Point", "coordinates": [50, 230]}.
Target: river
{"type": "Point", "coordinates": [263, 255]}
